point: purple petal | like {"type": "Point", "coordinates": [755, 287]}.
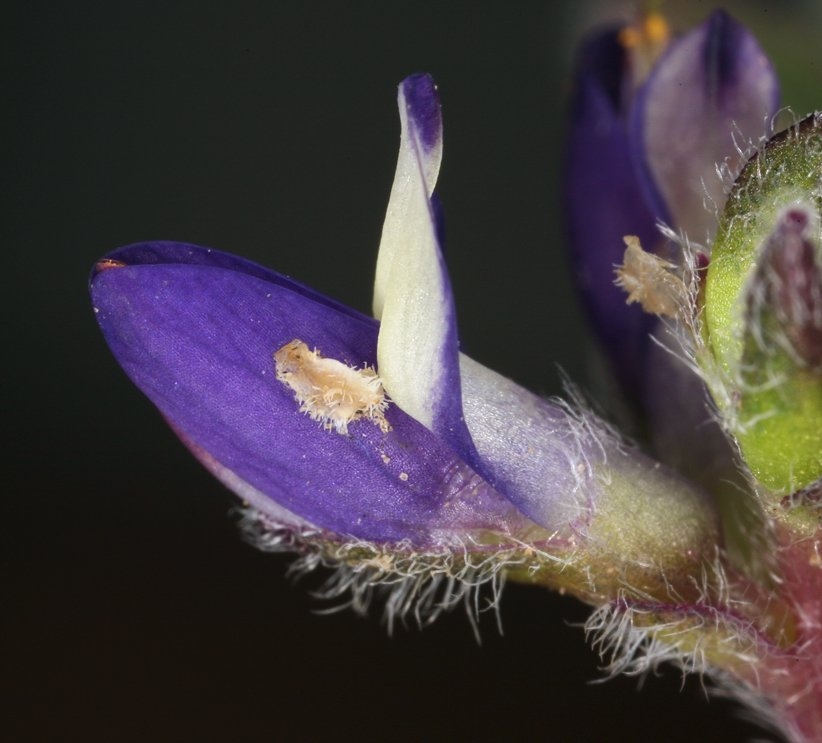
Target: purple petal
{"type": "Point", "coordinates": [604, 202]}
{"type": "Point", "coordinates": [196, 329]}
{"type": "Point", "coordinates": [420, 157]}
{"type": "Point", "coordinates": [712, 92]}
{"type": "Point", "coordinates": [535, 451]}
{"type": "Point", "coordinates": [568, 473]}
{"type": "Point", "coordinates": [418, 352]}
{"type": "Point", "coordinates": [603, 63]}
{"type": "Point", "coordinates": [423, 107]}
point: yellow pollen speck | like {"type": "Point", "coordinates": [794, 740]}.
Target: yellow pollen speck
{"type": "Point", "coordinates": [644, 40]}
{"type": "Point", "coordinates": [404, 476]}
{"type": "Point", "coordinates": [650, 30]}
{"type": "Point", "coordinates": [328, 390]}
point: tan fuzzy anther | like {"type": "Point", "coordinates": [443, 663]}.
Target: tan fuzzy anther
{"type": "Point", "coordinates": [649, 280]}
{"type": "Point", "coordinates": [328, 390]}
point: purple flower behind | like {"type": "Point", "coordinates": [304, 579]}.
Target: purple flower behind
{"type": "Point", "coordinates": [651, 122]}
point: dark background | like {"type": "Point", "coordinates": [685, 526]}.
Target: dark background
{"type": "Point", "coordinates": [131, 609]}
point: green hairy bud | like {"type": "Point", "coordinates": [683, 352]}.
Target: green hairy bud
{"type": "Point", "coordinates": [763, 310]}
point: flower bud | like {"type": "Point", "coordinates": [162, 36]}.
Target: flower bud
{"type": "Point", "coordinates": [763, 310]}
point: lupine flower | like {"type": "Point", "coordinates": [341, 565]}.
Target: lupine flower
{"type": "Point", "coordinates": [374, 445]}
{"type": "Point", "coordinates": [371, 442]}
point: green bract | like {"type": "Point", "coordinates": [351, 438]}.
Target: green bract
{"type": "Point", "coordinates": [770, 396]}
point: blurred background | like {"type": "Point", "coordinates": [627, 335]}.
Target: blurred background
{"type": "Point", "coordinates": [131, 608]}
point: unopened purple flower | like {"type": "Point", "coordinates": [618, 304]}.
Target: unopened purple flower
{"type": "Point", "coordinates": [658, 129]}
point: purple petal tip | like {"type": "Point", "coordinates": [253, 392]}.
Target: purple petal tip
{"type": "Point", "coordinates": [728, 51]}
{"type": "Point", "coordinates": [423, 106]}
